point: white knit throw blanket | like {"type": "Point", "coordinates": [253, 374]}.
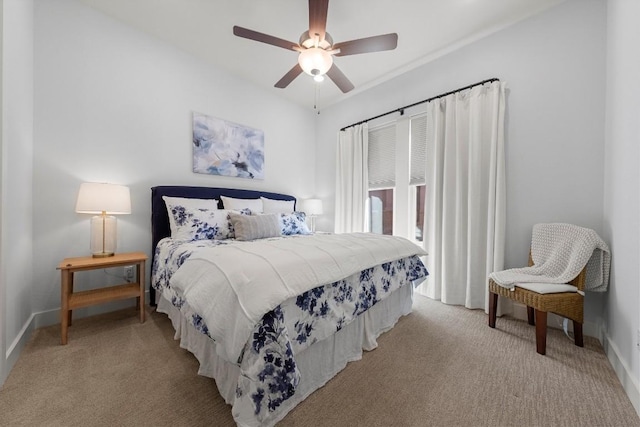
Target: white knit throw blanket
{"type": "Point", "coordinates": [559, 253]}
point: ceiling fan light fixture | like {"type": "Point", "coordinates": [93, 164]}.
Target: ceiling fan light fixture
{"type": "Point", "coordinates": [318, 78]}
{"type": "Point", "coordinates": [315, 61]}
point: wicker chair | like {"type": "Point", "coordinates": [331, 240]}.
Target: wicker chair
{"type": "Point", "coordinates": [566, 304]}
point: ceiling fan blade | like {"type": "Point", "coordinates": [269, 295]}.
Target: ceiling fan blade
{"type": "Point", "coordinates": [289, 77]}
{"type": "Point", "coordinates": [318, 18]}
{"type": "Point", "coordinates": [368, 44]}
{"type": "Point", "coordinates": [340, 79]}
{"type": "Point", "coordinates": [264, 38]}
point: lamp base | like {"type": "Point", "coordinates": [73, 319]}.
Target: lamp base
{"type": "Point", "coordinates": [103, 254]}
{"type": "Point", "coordinates": [103, 236]}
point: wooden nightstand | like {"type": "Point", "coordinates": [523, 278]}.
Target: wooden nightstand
{"type": "Point", "coordinates": [71, 300]}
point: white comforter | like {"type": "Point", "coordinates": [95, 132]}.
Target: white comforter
{"type": "Point", "coordinates": [231, 287]}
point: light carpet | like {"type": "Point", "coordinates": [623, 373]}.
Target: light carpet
{"type": "Point", "coordinates": [440, 366]}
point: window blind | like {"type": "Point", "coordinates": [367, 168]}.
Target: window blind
{"type": "Point", "coordinates": [418, 150]}
{"type": "Point", "coordinates": [382, 157]}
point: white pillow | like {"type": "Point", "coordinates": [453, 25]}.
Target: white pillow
{"type": "Point", "coordinates": [238, 204]}
{"type": "Point", "coordinates": [547, 288]}
{"type": "Point", "coordinates": [176, 204]}
{"type": "Point", "coordinates": [277, 206]}
{"type": "Point", "coordinates": [255, 227]}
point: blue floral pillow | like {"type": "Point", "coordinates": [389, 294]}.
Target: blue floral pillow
{"type": "Point", "coordinates": [293, 223]}
{"type": "Point", "coordinates": [187, 205]}
{"type": "Point", "coordinates": [202, 223]}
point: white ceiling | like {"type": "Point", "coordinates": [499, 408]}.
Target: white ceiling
{"type": "Point", "coordinates": [425, 28]}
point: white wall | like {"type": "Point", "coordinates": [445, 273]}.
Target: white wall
{"type": "Point", "coordinates": [16, 254]}
{"type": "Point", "coordinates": [622, 191]}
{"type": "Point", "coordinates": [554, 66]}
{"type": "Point", "coordinates": [114, 104]}
{"type": "Point", "coordinates": [3, 299]}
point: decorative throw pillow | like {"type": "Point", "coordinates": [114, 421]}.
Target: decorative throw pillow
{"type": "Point", "coordinates": [178, 205]}
{"type": "Point", "coordinates": [203, 224]}
{"type": "Point", "coordinates": [293, 223]}
{"type": "Point", "coordinates": [277, 206]}
{"type": "Point", "coordinates": [255, 226]}
{"type": "Point", "coordinates": [237, 204]}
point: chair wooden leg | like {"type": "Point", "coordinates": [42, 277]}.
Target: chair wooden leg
{"type": "Point", "coordinates": [541, 331]}
{"type": "Point", "coordinates": [577, 333]}
{"type": "Point", "coordinates": [493, 309]}
{"type": "Point", "coordinates": [530, 315]}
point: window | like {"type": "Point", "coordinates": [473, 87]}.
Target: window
{"type": "Point", "coordinates": [397, 177]}
{"type": "Point", "coordinates": [381, 211]}
{"type": "Point", "coordinates": [382, 159]}
{"type": "Point", "coordinates": [418, 175]}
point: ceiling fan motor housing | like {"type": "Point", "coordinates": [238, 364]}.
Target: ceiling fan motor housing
{"type": "Point", "coordinates": [306, 40]}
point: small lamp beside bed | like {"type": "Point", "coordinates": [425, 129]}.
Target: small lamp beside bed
{"type": "Point", "coordinates": [105, 200]}
{"type": "Point", "coordinates": [312, 208]}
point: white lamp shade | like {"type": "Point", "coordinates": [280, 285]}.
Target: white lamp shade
{"type": "Point", "coordinates": [95, 198]}
{"type": "Point", "coordinates": [312, 207]}
{"type": "Point", "coordinates": [315, 61]}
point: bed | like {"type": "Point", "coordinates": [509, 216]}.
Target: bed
{"type": "Point", "coordinates": [286, 331]}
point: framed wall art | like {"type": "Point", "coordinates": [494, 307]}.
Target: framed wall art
{"type": "Point", "coordinates": [221, 147]}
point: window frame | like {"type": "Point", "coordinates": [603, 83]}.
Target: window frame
{"type": "Point", "coordinates": [404, 191]}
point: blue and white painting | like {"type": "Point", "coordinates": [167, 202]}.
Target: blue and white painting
{"type": "Point", "coordinates": [225, 148]}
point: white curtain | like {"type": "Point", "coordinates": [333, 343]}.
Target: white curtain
{"type": "Point", "coordinates": [352, 179]}
{"type": "Point", "coordinates": [465, 202]}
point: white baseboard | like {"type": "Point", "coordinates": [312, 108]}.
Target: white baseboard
{"type": "Point", "coordinates": [16, 347]}
{"type": "Point", "coordinates": [629, 383]}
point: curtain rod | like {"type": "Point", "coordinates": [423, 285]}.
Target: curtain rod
{"type": "Point", "coordinates": [401, 109]}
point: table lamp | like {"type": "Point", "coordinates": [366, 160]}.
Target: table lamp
{"type": "Point", "coordinates": [313, 208]}
{"type": "Point", "coordinates": [105, 200]}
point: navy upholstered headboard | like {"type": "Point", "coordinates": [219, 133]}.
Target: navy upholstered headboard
{"type": "Point", "coordinates": [160, 218]}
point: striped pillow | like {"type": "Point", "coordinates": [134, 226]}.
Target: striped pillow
{"type": "Point", "coordinates": [255, 226]}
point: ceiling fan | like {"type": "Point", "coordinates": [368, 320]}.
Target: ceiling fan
{"type": "Point", "coordinates": [317, 49]}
